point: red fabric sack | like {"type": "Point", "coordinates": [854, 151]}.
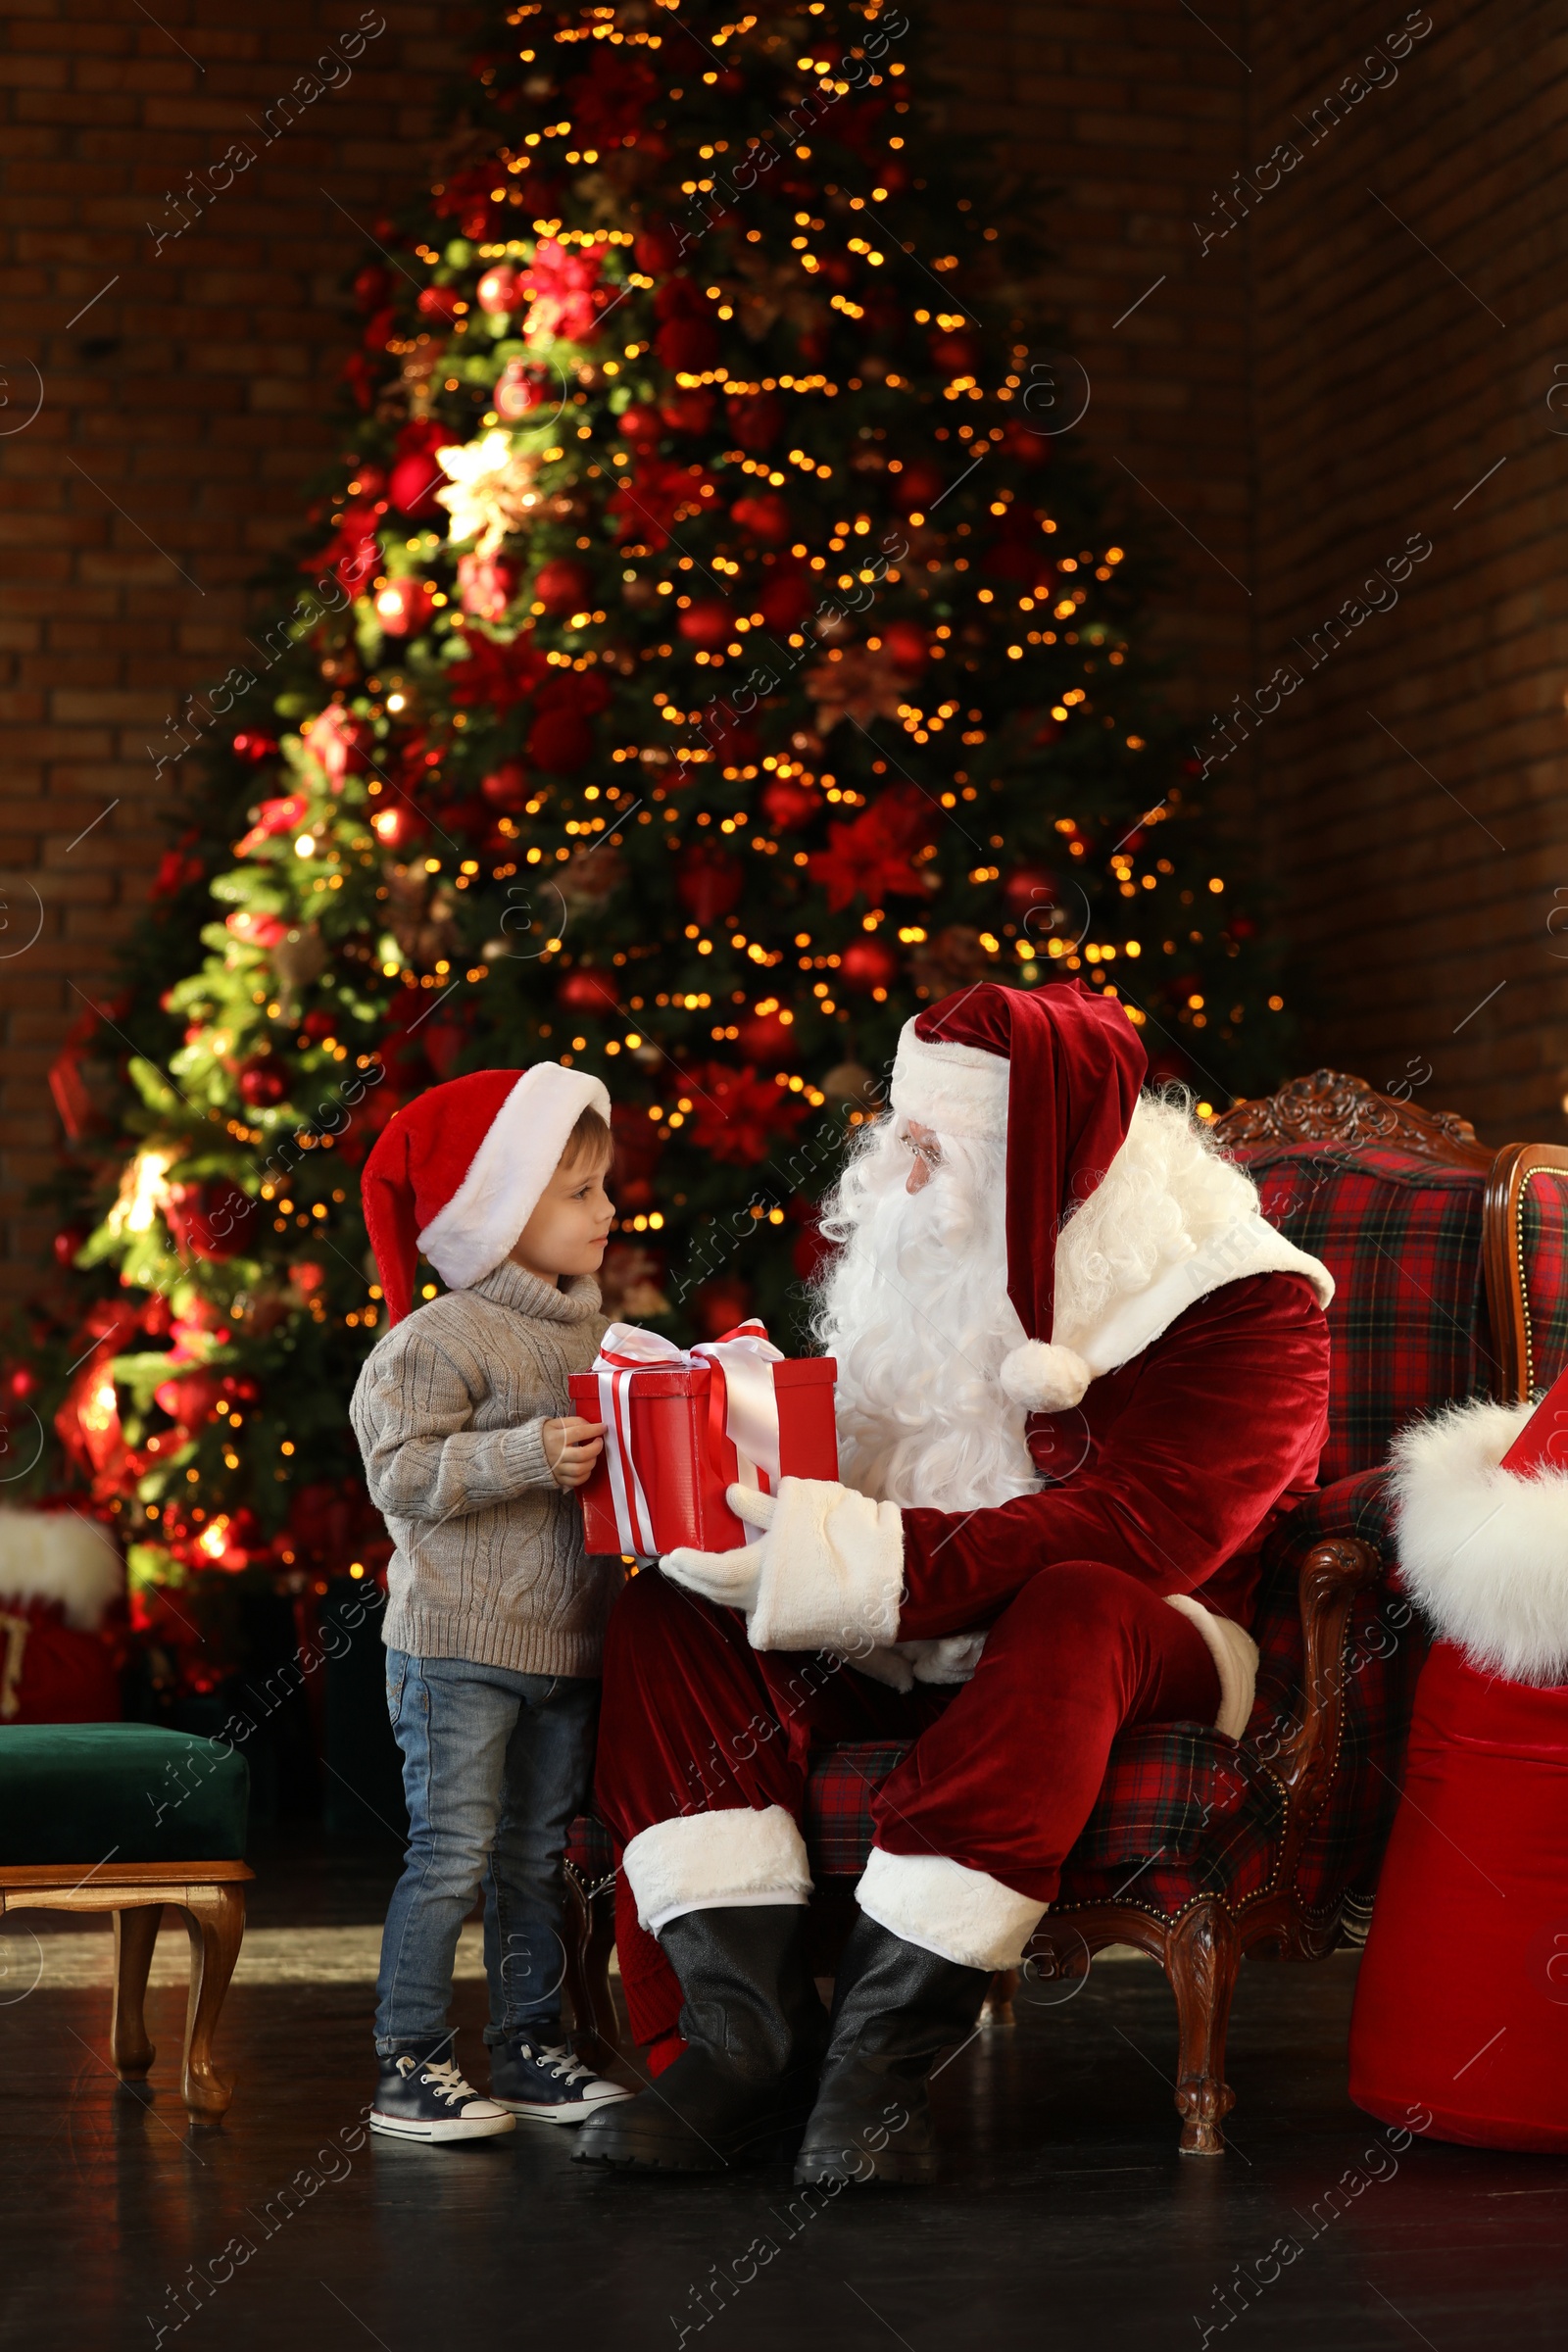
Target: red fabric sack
{"type": "Point", "coordinates": [1461, 2008]}
{"type": "Point", "coordinates": [673, 1428]}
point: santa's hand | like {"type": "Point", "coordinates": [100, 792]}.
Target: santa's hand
{"type": "Point", "coordinates": [729, 1577]}
{"type": "Point", "coordinates": [752, 1505]}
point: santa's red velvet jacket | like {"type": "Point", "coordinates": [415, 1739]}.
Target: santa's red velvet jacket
{"type": "Point", "coordinates": [1173, 1468]}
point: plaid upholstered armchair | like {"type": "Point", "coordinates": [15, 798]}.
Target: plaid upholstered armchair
{"type": "Point", "coordinates": [1451, 1267]}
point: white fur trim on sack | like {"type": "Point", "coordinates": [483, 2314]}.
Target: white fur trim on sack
{"type": "Point", "coordinates": [944, 1907]}
{"type": "Point", "coordinates": [1483, 1552]}
{"type": "Point", "coordinates": [57, 1555]}
{"type": "Point", "coordinates": [958, 1090]}
{"type": "Point", "coordinates": [1235, 1656]}
{"type": "Point", "coordinates": [831, 1572]}
{"type": "Point", "coordinates": [717, 1861]}
{"type": "Point", "coordinates": [1043, 1377]}
{"type": "Point", "coordinates": [520, 1152]}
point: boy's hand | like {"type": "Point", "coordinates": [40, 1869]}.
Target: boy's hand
{"type": "Point", "coordinates": [571, 1448]}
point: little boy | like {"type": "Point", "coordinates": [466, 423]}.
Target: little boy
{"type": "Point", "coordinates": [495, 1616]}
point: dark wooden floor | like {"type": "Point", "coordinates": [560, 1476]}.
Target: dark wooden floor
{"type": "Point", "coordinates": [1064, 2218]}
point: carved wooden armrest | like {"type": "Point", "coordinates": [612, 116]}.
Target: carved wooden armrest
{"type": "Point", "coordinates": [1302, 1751]}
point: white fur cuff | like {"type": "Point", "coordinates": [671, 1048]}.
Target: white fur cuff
{"type": "Point", "coordinates": [1044, 1377]}
{"type": "Point", "coordinates": [1485, 1552]}
{"type": "Point", "coordinates": [1235, 1656]}
{"type": "Point", "coordinates": [59, 1555]}
{"type": "Point", "coordinates": [715, 1861]}
{"type": "Point", "coordinates": [832, 1570]}
{"type": "Point", "coordinates": [944, 1907]}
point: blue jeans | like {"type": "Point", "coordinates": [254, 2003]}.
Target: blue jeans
{"type": "Point", "coordinates": [496, 1767]}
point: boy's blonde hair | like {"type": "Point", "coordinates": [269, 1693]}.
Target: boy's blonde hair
{"type": "Point", "coordinates": [590, 1139]}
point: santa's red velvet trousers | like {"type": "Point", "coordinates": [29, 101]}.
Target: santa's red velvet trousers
{"type": "Point", "coordinates": [1005, 1769]}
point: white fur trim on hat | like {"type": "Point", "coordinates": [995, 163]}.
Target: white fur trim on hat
{"type": "Point", "coordinates": [59, 1555]}
{"type": "Point", "coordinates": [1043, 1377]}
{"type": "Point", "coordinates": [1235, 1656]}
{"type": "Point", "coordinates": [958, 1090]}
{"type": "Point", "coordinates": [1482, 1550]}
{"type": "Point", "coordinates": [960, 1914]}
{"type": "Point", "coordinates": [831, 1574]}
{"type": "Point", "coordinates": [520, 1154]}
{"type": "Point", "coordinates": [717, 1861]}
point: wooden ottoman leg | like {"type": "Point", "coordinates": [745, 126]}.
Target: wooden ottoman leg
{"type": "Point", "coordinates": [135, 1933]}
{"type": "Point", "coordinates": [596, 1966]}
{"type": "Point", "coordinates": [1201, 1960]}
{"type": "Point", "coordinates": [215, 1918]}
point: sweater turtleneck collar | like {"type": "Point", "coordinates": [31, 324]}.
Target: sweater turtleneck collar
{"type": "Point", "coordinates": [508, 1285]}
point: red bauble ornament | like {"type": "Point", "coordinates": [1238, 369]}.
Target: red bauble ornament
{"type": "Point", "coordinates": [371, 286]}
{"type": "Point", "coordinates": [562, 741]}
{"type": "Point", "coordinates": [486, 585]}
{"type": "Point", "coordinates": [319, 1024]}
{"type": "Point", "coordinates": [1028, 890]}
{"type": "Point", "coordinates": [1026, 447]}
{"type": "Point", "coordinates": [642, 426]}
{"type": "Point", "coordinates": [256, 747]}
{"type": "Point", "coordinates": [211, 1220]}
{"type": "Point", "coordinates": [412, 485]}
{"type": "Point", "coordinates": [768, 1039]}
{"type": "Point", "coordinates": [867, 964]}
{"type": "Point", "coordinates": [789, 803]}
{"type": "Point", "coordinates": [399, 827]}
{"type": "Point", "coordinates": [497, 292]}
{"type": "Point", "coordinates": [506, 787]}
{"type": "Point", "coordinates": [563, 585]}
{"type": "Point", "coordinates": [721, 1304]}
{"type": "Point", "coordinates": [686, 346]}
{"type": "Point", "coordinates": [189, 1398]}
{"type": "Point", "coordinates": [519, 390]}
{"type": "Point", "coordinates": [589, 989]}
{"type": "Point", "coordinates": [956, 355]}
{"type": "Point", "coordinates": [707, 623]}
{"type": "Point", "coordinates": [766, 515]}
{"type": "Point", "coordinates": [656, 251]}
{"type": "Point", "coordinates": [67, 1242]}
{"type": "Point", "coordinates": [919, 484]}
{"type": "Point", "coordinates": [908, 644]}
{"type": "Point", "coordinates": [688, 412]}
{"type": "Point", "coordinates": [709, 883]}
{"type": "Point", "coordinates": [446, 304]}
{"type": "Point", "coordinates": [403, 606]}
{"type": "Point", "coordinates": [783, 599]}
{"type": "Point", "coordinates": [262, 1081]}
{"type": "Point", "coordinates": [22, 1383]}
{"type": "Point", "coordinates": [755, 420]}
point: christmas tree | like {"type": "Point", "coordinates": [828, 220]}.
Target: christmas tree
{"type": "Point", "coordinates": [707, 652]}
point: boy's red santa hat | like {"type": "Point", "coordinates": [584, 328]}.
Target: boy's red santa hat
{"type": "Point", "coordinates": [1056, 1072]}
{"type": "Point", "coordinates": [456, 1175]}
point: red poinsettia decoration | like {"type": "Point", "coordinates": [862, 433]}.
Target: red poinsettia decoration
{"type": "Point", "coordinates": [567, 294]}
{"type": "Point", "coordinates": [497, 673]}
{"type": "Point", "coordinates": [871, 857]}
{"type": "Point", "coordinates": [660, 494]}
{"type": "Point", "coordinates": [341, 744]}
{"type": "Point", "coordinates": [736, 1118]}
{"type": "Point", "coordinates": [273, 817]}
{"type": "Point", "coordinates": [354, 552]}
{"type": "Point", "coordinates": [609, 106]}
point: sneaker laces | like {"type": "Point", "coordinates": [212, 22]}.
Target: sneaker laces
{"type": "Point", "coordinates": [446, 2081]}
{"type": "Point", "coordinates": [560, 2061]}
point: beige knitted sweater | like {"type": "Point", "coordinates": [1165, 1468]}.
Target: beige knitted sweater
{"type": "Point", "coordinates": [449, 1409]}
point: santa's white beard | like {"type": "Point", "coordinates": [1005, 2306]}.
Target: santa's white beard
{"type": "Point", "coordinates": [915, 1306]}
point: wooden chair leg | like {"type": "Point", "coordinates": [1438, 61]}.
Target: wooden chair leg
{"type": "Point", "coordinates": [135, 1933]}
{"type": "Point", "coordinates": [215, 1918]}
{"type": "Point", "coordinates": [590, 1941]}
{"type": "Point", "coordinates": [1201, 1960]}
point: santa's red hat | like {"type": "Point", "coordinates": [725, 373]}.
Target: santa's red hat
{"type": "Point", "coordinates": [456, 1175]}
{"type": "Point", "coordinates": [1055, 1071]}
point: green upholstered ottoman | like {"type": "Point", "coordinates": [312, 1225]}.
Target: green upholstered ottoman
{"type": "Point", "coordinates": [124, 1817]}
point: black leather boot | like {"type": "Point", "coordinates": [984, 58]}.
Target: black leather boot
{"type": "Point", "coordinates": [755, 2030]}
{"type": "Point", "coordinates": [895, 2007]}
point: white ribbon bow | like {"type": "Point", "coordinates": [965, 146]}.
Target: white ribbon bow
{"type": "Point", "coordinates": [742, 1361]}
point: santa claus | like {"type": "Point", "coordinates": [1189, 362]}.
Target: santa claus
{"type": "Point", "coordinates": [1079, 1380]}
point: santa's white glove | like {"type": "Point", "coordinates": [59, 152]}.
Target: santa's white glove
{"type": "Point", "coordinates": [732, 1579]}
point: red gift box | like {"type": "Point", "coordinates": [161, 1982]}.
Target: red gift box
{"type": "Point", "coordinates": [671, 1421]}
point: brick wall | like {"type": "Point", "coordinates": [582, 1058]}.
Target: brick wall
{"type": "Point", "coordinates": [183, 396]}
{"type": "Point", "coordinates": [1409, 311]}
